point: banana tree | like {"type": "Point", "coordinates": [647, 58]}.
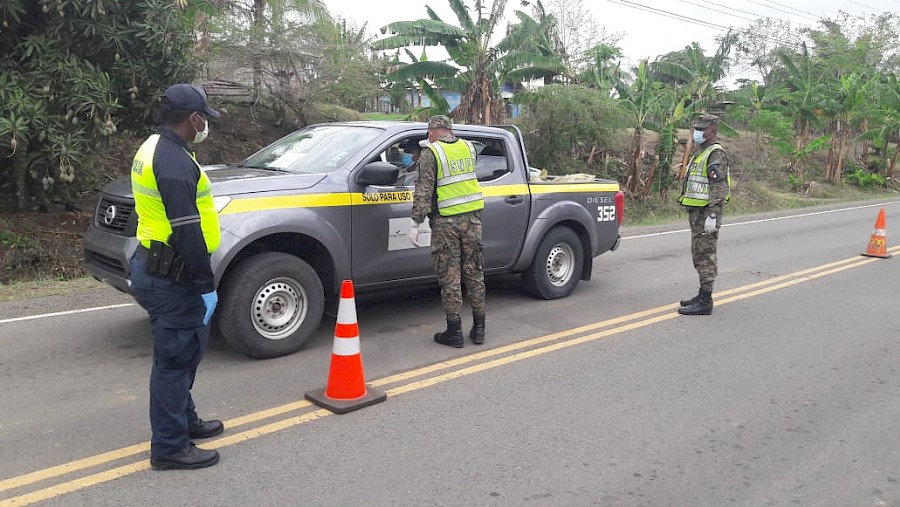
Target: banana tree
{"type": "Point", "coordinates": [539, 36]}
{"type": "Point", "coordinates": [886, 123]}
{"type": "Point", "coordinates": [603, 70]}
{"type": "Point", "coordinates": [476, 69]}
{"type": "Point", "coordinates": [847, 104]}
{"type": "Point", "coordinates": [756, 98]}
{"type": "Point", "coordinates": [695, 76]}
{"type": "Point", "coordinates": [801, 101]}
{"type": "Point", "coordinates": [640, 99]}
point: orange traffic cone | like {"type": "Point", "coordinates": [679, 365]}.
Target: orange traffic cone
{"type": "Point", "coordinates": [878, 243]}
{"type": "Point", "coordinates": [346, 390]}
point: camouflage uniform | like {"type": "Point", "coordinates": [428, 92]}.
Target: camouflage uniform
{"type": "Point", "coordinates": [456, 249]}
{"type": "Point", "coordinates": [703, 246]}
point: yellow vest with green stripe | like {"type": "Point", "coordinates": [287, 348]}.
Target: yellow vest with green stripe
{"type": "Point", "coordinates": [696, 185]}
{"type": "Point", "coordinates": [457, 185]}
{"type": "Point", "coordinates": [153, 224]}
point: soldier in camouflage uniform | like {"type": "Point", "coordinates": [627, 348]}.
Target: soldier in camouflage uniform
{"type": "Point", "coordinates": [705, 192]}
{"type": "Point", "coordinates": [447, 191]}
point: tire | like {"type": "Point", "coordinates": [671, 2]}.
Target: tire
{"type": "Point", "coordinates": [272, 303]}
{"type": "Point", "coordinates": [556, 267]}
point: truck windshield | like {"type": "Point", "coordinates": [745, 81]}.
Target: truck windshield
{"type": "Point", "coordinates": [316, 149]}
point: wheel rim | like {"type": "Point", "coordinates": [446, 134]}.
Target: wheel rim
{"type": "Point", "coordinates": [560, 264]}
{"type": "Point", "coordinates": [278, 308]}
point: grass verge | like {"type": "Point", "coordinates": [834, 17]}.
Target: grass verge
{"type": "Point", "coordinates": [39, 288]}
{"type": "Point", "coordinates": [752, 198]}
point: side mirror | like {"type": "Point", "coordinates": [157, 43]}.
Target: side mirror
{"type": "Point", "coordinates": [378, 173]}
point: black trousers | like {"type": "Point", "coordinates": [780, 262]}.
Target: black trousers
{"type": "Point", "coordinates": [179, 342]}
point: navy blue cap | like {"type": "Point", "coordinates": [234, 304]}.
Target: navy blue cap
{"type": "Point", "coordinates": [188, 97]}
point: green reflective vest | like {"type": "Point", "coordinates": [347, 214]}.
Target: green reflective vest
{"type": "Point", "coordinates": [457, 185]}
{"type": "Point", "coordinates": [695, 191]}
{"type": "Point", "coordinates": [153, 224]}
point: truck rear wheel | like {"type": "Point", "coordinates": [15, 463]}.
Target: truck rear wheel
{"type": "Point", "coordinates": [272, 303]}
{"type": "Point", "coordinates": [556, 267]}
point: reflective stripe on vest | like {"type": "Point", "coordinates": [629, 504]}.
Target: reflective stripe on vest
{"type": "Point", "coordinates": [153, 224]}
{"type": "Point", "coordinates": [457, 185]}
{"type": "Point", "coordinates": [695, 191]}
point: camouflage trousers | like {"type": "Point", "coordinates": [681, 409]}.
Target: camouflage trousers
{"type": "Point", "coordinates": [703, 248]}
{"type": "Point", "coordinates": [457, 255]}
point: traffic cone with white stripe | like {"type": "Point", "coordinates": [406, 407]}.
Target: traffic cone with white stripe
{"type": "Point", "coordinates": [346, 390]}
{"type": "Point", "coordinates": [878, 241]}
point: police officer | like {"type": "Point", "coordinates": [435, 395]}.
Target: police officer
{"type": "Point", "coordinates": [171, 277]}
{"type": "Point", "coordinates": [704, 194]}
{"type": "Point", "coordinates": [447, 191]}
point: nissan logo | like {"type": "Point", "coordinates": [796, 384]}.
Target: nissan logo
{"type": "Point", "coordinates": [109, 215]}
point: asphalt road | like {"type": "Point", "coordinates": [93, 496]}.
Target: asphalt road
{"type": "Point", "coordinates": [789, 394]}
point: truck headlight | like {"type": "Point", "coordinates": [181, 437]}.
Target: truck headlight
{"type": "Point", "coordinates": [220, 202]}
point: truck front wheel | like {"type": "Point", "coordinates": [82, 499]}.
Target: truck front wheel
{"type": "Point", "coordinates": [272, 303]}
{"type": "Point", "coordinates": [556, 267]}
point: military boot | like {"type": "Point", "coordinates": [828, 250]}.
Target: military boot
{"type": "Point", "coordinates": [477, 332]}
{"type": "Point", "coordinates": [702, 306]}
{"type": "Point", "coordinates": [453, 336]}
{"type": "Point", "coordinates": [689, 302]}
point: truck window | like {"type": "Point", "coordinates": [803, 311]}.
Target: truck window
{"type": "Point", "coordinates": [492, 161]}
{"type": "Point", "coordinates": [316, 149]}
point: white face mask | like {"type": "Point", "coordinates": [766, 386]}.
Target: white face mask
{"type": "Point", "coordinates": [202, 135]}
{"type": "Point", "coordinates": [698, 137]}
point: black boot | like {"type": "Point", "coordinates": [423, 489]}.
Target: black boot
{"type": "Point", "coordinates": [477, 332]}
{"type": "Point", "coordinates": [453, 336]}
{"type": "Point", "coordinates": [689, 302]}
{"type": "Point", "coordinates": [703, 305]}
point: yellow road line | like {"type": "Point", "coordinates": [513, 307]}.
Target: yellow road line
{"type": "Point", "coordinates": [732, 295]}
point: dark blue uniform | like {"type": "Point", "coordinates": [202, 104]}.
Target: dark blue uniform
{"type": "Point", "coordinates": [176, 311]}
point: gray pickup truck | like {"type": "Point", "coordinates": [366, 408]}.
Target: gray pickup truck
{"type": "Point", "coordinates": [328, 203]}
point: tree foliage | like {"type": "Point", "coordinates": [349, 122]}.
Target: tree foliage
{"type": "Point", "coordinates": [294, 56]}
{"type": "Point", "coordinates": [477, 68]}
{"type": "Point", "coordinates": [76, 72]}
{"type": "Point", "coordinates": [570, 128]}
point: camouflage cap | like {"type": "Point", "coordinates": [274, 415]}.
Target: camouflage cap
{"type": "Point", "coordinates": [705, 120]}
{"type": "Point", "coordinates": [440, 122]}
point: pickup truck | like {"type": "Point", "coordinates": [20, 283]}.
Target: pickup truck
{"type": "Point", "coordinates": [328, 203]}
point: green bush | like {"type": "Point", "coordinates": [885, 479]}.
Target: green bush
{"type": "Point", "coordinates": [564, 125]}
{"type": "Point", "coordinates": [323, 113]}
{"type": "Point", "coordinates": [865, 179]}
{"type": "Point", "coordinates": [75, 73]}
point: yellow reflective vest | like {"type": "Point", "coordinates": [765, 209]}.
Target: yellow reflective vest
{"type": "Point", "coordinates": [457, 185]}
{"type": "Point", "coordinates": [695, 191]}
{"type": "Point", "coordinates": [153, 223]}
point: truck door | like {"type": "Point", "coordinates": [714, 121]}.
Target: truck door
{"type": "Point", "coordinates": [381, 250]}
{"type": "Point", "coordinates": [507, 201]}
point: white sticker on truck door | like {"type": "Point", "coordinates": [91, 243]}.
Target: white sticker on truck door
{"type": "Point", "coordinates": [398, 234]}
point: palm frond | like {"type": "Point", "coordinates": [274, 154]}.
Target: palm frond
{"type": "Point", "coordinates": [423, 70]}
{"type": "Point", "coordinates": [422, 32]}
{"type": "Point", "coordinates": [462, 14]}
{"type": "Point", "coordinates": [437, 100]}
{"type": "Point", "coordinates": [433, 15]}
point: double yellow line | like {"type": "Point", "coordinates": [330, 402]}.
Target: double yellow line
{"type": "Point", "coordinates": [403, 383]}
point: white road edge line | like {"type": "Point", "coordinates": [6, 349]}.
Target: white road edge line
{"type": "Point", "coordinates": [110, 307]}
{"type": "Point", "coordinates": [839, 210]}
{"type": "Point", "coordinates": [70, 312]}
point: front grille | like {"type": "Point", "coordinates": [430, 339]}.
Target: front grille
{"type": "Point", "coordinates": [116, 215]}
{"type": "Point", "coordinates": [107, 263]}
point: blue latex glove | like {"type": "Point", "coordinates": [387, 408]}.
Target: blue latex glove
{"type": "Point", "coordinates": [210, 299]}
